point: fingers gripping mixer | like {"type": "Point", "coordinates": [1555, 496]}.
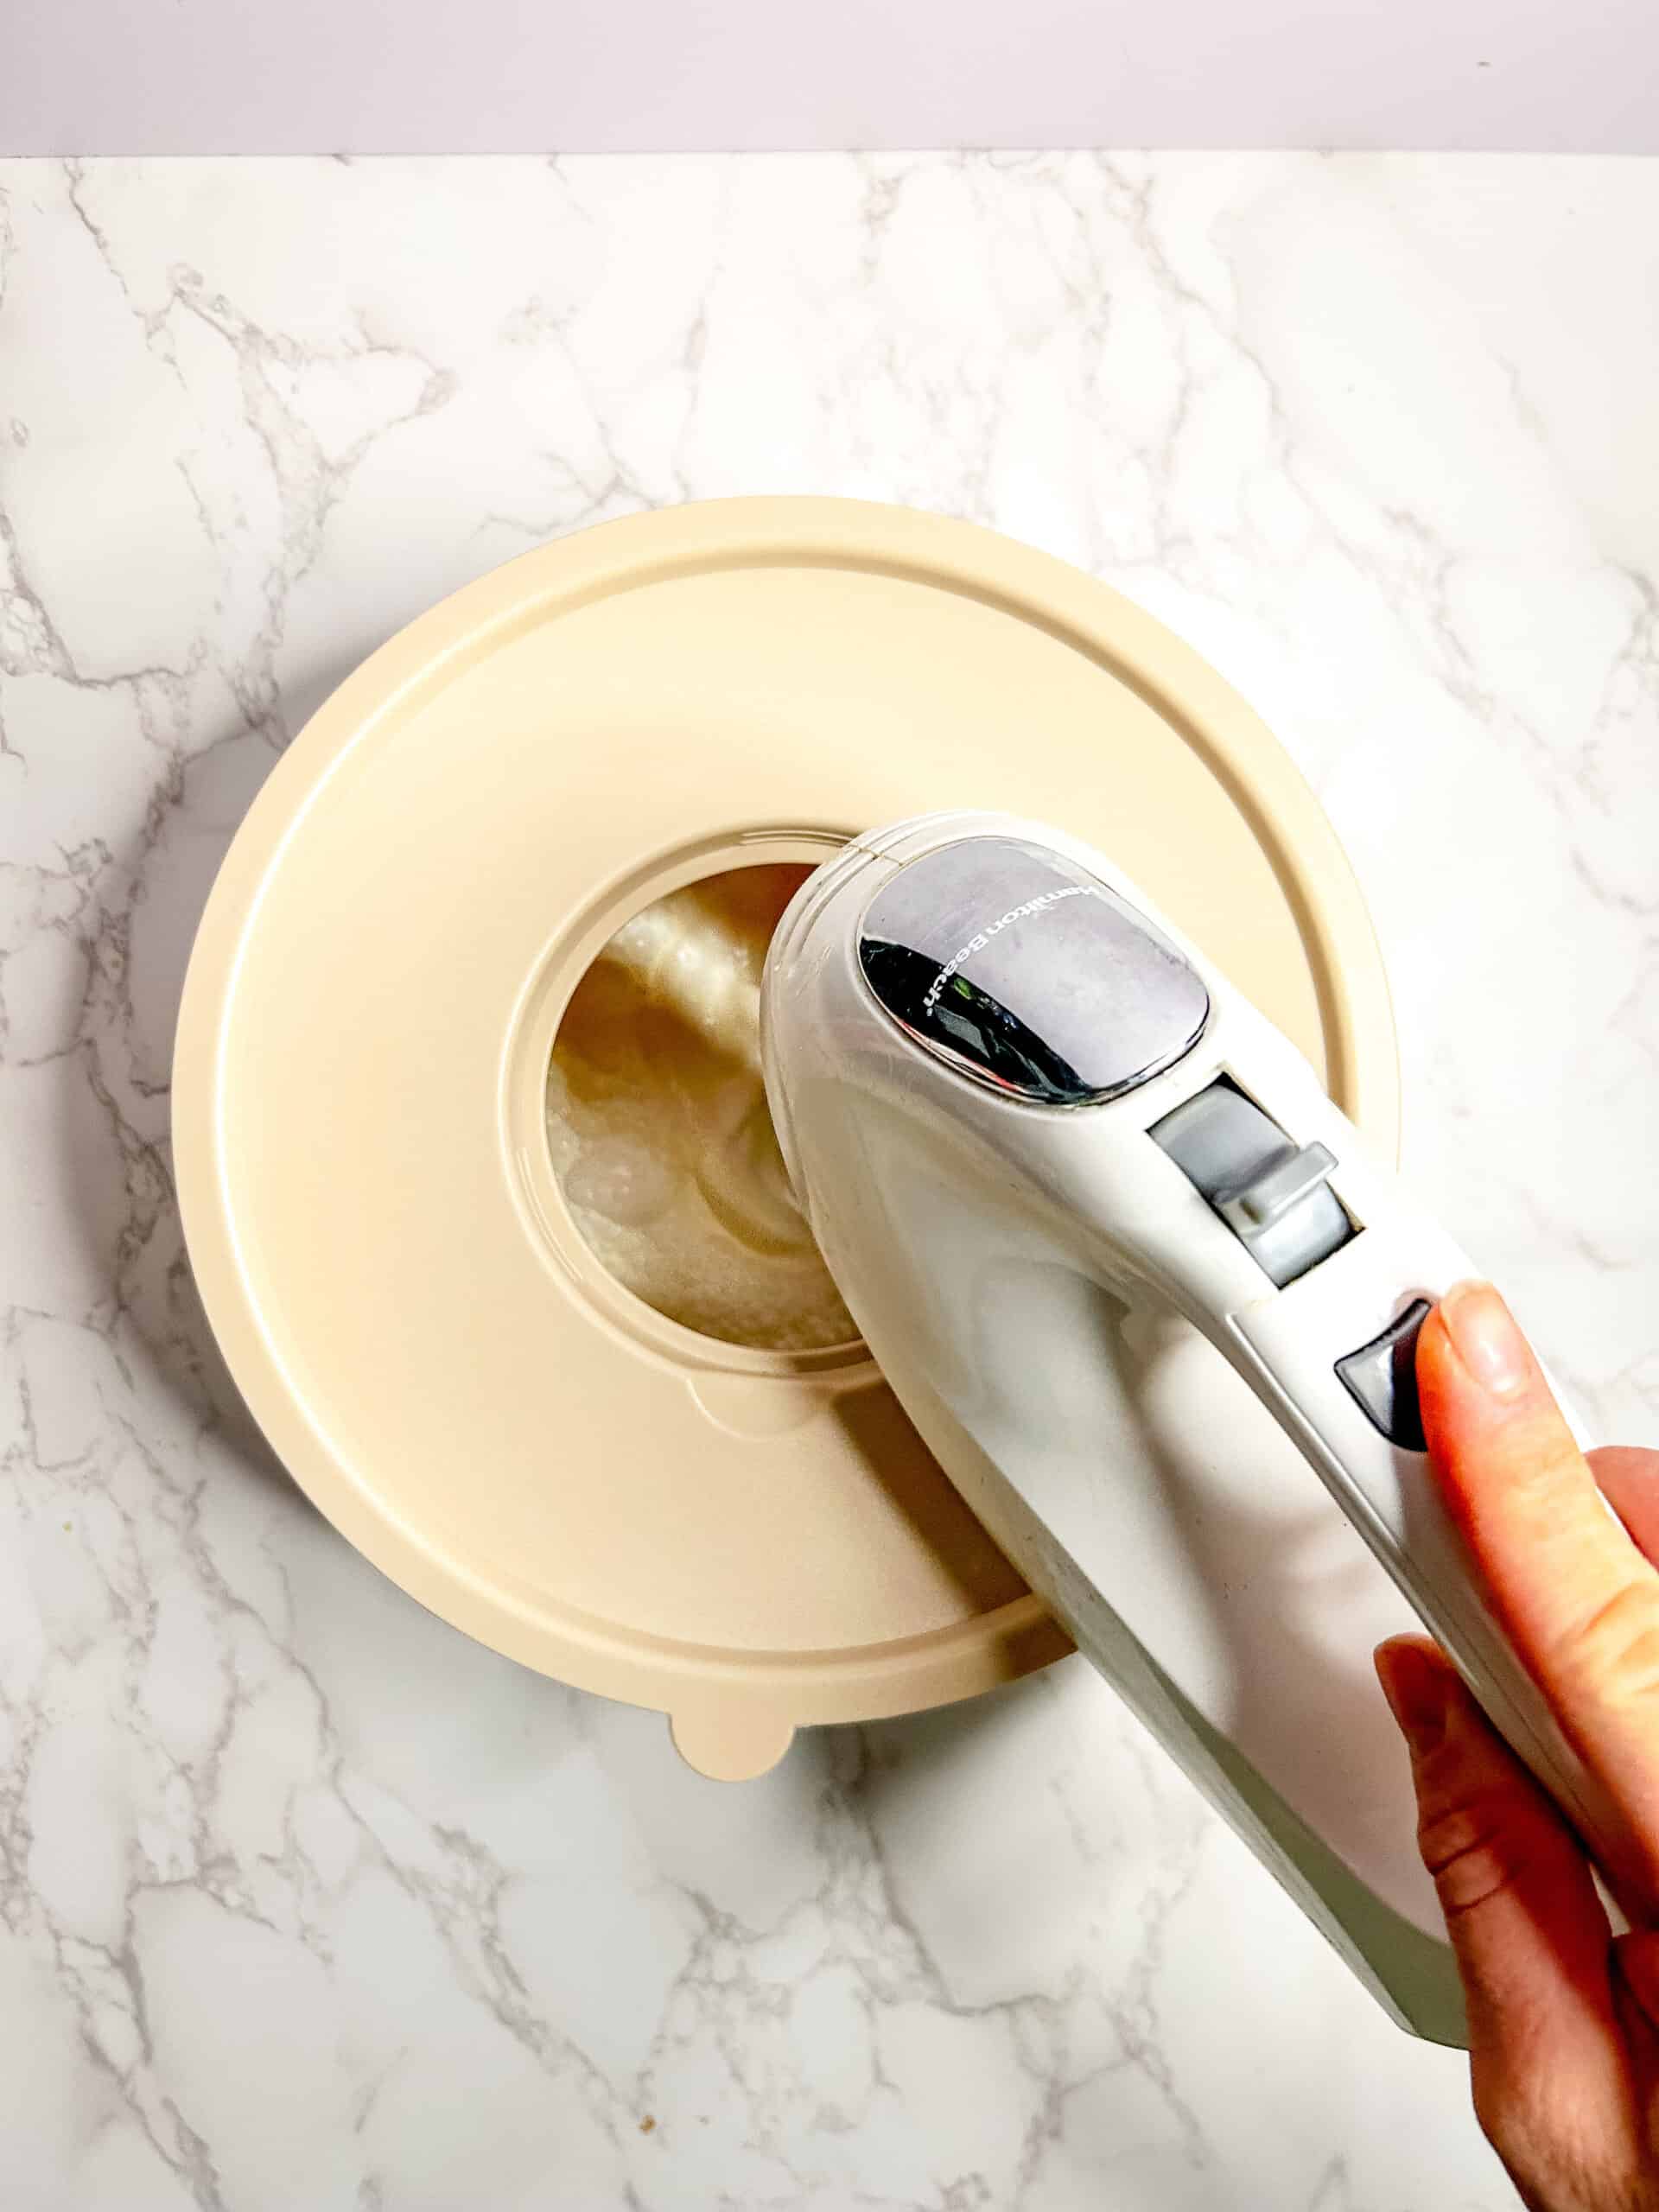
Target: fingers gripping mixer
{"type": "Point", "coordinates": [1035, 1134]}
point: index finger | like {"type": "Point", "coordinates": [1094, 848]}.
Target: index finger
{"type": "Point", "coordinates": [1579, 1600]}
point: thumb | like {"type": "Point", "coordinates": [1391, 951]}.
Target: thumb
{"type": "Point", "coordinates": [1524, 1920]}
{"type": "Point", "coordinates": [1579, 1601]}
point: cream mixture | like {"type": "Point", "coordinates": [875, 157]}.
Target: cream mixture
{"type": "Point", "coordinates": [657, 1119]}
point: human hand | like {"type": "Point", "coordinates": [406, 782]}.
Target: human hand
{"type": "Point", "coordinates": [1563, 2015]}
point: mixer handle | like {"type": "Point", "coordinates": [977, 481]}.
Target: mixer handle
{"type": "Point", "coordinates": [1330, 1348]}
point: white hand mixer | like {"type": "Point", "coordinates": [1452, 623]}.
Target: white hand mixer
{"type": "Point", "coordinates": [1017, 1108]}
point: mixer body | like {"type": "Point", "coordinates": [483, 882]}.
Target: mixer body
{"type": "Point", "coordinates": [1152, 1306]}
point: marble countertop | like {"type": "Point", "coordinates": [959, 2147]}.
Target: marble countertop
{"type": "Point", "coordinates": [305, 1902]}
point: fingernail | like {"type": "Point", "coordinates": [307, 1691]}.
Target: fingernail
{"type": "Point", "coordinates": [1488, 1343]}
{"type": "Point", "coordinates": [1418, 1691]}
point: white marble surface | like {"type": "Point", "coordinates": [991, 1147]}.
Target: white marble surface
{"type": "Point", "coordinates": [306, 1901]}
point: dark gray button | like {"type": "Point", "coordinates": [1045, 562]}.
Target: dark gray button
{"type": "Point", "coordinates": [1381, 1378]}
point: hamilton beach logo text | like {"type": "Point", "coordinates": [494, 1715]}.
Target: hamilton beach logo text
{"type": "Point", "coordinates": [1015, 914]}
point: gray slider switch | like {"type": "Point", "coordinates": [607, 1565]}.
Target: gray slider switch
{"type": "Point", "coordinates": [1380, 1377]}
{"type": "Point", "coordinates": [1273, 1191]}
{"type": "Point", "coordinates": [1272, 1194]}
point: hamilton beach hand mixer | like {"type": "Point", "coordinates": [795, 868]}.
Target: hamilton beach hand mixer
{"type": "Point", "coordinates": [1014, 1104]}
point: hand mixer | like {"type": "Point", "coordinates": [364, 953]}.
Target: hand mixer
{"type": "Point", "coordinates": [1015, 1104]}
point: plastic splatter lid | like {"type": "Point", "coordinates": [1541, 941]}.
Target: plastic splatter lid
{"type": "Point", "coordinates": [749, 1540]}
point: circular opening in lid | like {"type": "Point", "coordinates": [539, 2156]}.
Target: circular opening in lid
{"type": "Point", "coordinates": [661, 1142]}
{"type": "Point", "coordinates": [634, 1124]}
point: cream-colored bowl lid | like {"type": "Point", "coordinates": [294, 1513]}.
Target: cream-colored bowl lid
{"type": "Point", "coordinates": [746, 1540]}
